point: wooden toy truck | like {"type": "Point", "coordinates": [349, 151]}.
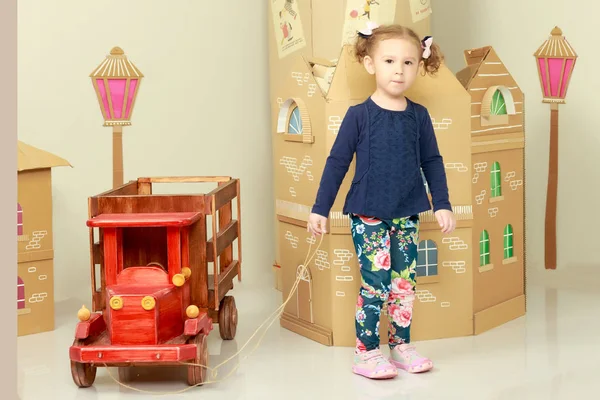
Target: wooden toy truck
{"type": "Point", "coordinates": [157, 299]}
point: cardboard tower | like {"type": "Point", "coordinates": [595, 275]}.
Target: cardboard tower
{"type": "Point", "coordinates": [478, 125]}
{"type": "Point", "coordinates": [35, 252]}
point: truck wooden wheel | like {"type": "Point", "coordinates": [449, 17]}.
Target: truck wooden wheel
{"type": "Point", "coordinates": [197, 374]}
{"type": "Point", "coordinates": [227, 318]}
{"type": "Point", "coordinates": [83, 374]}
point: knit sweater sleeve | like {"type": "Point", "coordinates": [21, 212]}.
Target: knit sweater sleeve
{"type": "Point", "coordinates": [338, 162]}
{"type": "Point", "coordinates": [432, 164]}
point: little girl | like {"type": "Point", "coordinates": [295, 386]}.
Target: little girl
{"type": "Point", "coordinates": [394, 140]}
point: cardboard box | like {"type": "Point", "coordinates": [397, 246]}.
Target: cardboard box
{"type": "Point", "coordinates": [35, 257]}
{"type": "Point", "coordinates": [311, 90]}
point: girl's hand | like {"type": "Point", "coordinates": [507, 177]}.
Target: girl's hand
{"type": "Point", "coordinates": [317, 224]}
{"type": "Point", "coordinates": [446, 220]}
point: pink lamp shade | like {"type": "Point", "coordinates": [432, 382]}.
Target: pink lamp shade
{"type": "Point", "coordinates": [556, 61]}
{"type": "Point", "coordinates": [117, 82]}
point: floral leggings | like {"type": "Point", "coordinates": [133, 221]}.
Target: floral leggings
{"type": "Point", "coordinates": [387, 255]}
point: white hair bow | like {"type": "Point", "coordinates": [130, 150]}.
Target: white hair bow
{"type": "Point", "coordinates": [368, 31]}
{"type": "Point", "coordinates": [426, 45]}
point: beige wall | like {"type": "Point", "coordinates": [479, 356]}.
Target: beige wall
{"type": "Point", "coordinates": [206, 91]}
{"type": "Point", "coordinates": [201, 108]}
{"type": "Point", "coordinates": [516, 28]}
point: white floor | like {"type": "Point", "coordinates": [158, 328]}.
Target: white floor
{"type": "Point", "coordinates": [552, 353]}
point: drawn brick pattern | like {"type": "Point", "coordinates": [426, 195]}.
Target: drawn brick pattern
{"type": "Point", "coordinates": [460, 167]}
{"type": "Point", "coordinates": [514, 185]}
{"type": "Point", "coordinates": [300, 78]}
{"type": "Point", "coordinates": [312, 89]}
{"type": "Point", "coordinates": [42, 277]}
{"type": "Point", "coordinates": [475, 177]}
{"type": "Point", "coordinates": [493, 212]}
{"type": "Point", "coordinates": [311, 240]}
{"type": "Point", "coordinates": [445, 304]}
{"type": "Point", "coordinates": [280, 101]}
{"type": "Point", "coordinates": [342, 258]}
{"type": "Point", "coordinates": [321, 260]}
{"type": "Point", "coordinates": [38, 297]}
{"type": "Point", "coordinates": [292, 239]}
{"type": "Point", "coordinates": [340, 294]}
{"type": "Point", "coordinates": [35, 242]}
{"type": "Point", "coordinates": [480, 167]}
{"type": "Point", "coordinates": [292, 191]}
{"type": "Point", "coordinates": [460, 267]}
{"type": "Point", "coordinates": [425, 296]}
{"type": "Point", "coordinates": [480, 197]}
{"type": "Point", "coordinates": [291, 166]}
{"type": "Point", "coordinates": [335, 122]}
{"type": "Point", "coordinates": [444, 124]}
{"type": "Point", "coordinates": [31, 269]}
{"type": "Point", "coordinates": [455, 243]}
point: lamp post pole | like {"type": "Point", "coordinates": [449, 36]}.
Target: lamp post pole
{"type": "Point", "coordinates": [555, 60]}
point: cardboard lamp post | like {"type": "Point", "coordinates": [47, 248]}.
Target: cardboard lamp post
{"type": "Point", "coordinates": [555, 60]}
{"type": "Point", "coordinates": [117, 82]}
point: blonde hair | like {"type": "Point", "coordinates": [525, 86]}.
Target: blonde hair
{"type": "Point", "coordinates": [366, 45]}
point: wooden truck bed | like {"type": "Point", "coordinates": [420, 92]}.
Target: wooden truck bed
{"type": "Point", "coordinates": [145, 245]}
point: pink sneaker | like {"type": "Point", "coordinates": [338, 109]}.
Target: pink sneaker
{"type": "Point", "coordinates": [373, 365]}
{"type": "Point", "coordinates": [405, 356]}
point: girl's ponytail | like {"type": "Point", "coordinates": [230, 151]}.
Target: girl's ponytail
{"type": "Point", "coordinates": [432, 55]}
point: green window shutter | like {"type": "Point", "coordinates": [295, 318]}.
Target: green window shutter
{"type": "Point", "coordinates": [508, 241]}
{"type": "Point", "coordinates": [496, 180]}
{"type": "Point", "coordinates": [498, 104]}
{"type": "Point", "coordinates": [484, 249]}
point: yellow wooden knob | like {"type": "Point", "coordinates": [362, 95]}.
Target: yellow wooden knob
{"type": "Point", "coordinates": [186, 272]}
{"type": "Point", "coordinates": [178, 280]}
{"type": "Point", "coordinates": [192, 311]}
{"type": "Point", "coordinates": [148, 303]}
{"type": "Point", "coordinates": [83, 314]}
{"type": "Point", "coordinates": [116, 303]}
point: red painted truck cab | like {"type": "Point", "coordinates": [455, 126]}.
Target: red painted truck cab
{"type": "Point", "coordinates": [155, 300]}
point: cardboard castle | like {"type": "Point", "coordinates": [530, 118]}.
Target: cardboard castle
{"type": "Point", "coordinates": [468, 282]}
{"type": "Point", "coordinates": [35, 254]}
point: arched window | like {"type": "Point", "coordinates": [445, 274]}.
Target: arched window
{"type": "Point", "coordinates": [496, 180]}
{"type": "Point", "coordinates": [484, 249]}
{"type": "Point", "coordinates": [496, 106]}
{"type": "Point", "coordinates": [508, 242]}
{"type": "Point", "coordinates": [19, 220]}
{"type": "Point", "coordinates": [293, 121]}
{"type": "Point", "coordinates": [427, 258]}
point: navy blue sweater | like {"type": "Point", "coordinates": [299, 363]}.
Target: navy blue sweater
{"type": "Point", "coordinates": [391, 147]}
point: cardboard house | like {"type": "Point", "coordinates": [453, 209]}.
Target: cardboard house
{"type": "Point", "coordinates": [456, 296]}
{"type": "Point", "coordinates": [35, 252]}
{"type": "Point", "coordinates": [498, 170]}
